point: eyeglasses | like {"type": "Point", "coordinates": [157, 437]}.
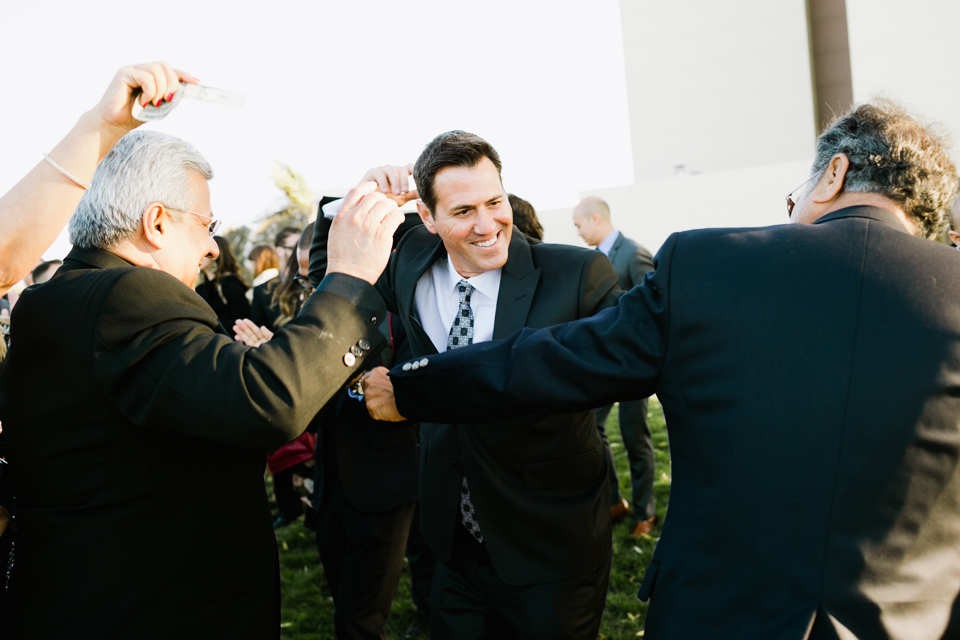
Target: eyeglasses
{"type": "Point", "coordinates": [791, 200]}
{"type": "Point", "coordinates": [304, 281]}
{"type": "Point", "coordinates": [213, 226]}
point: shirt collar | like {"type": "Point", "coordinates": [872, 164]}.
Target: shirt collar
{"type": "Point", "coordinates": [487, 283]}
{"type": "Point", "coordinates": [607, 243]}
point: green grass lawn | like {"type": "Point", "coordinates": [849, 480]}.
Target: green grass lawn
{"type": "Point", "coordinates": [308, 608]}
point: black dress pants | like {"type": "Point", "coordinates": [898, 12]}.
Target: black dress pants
{"type": "Point", "coordinates": [468, 601]}
{"type": "Point", "coordinates": [422, 563]}
{"type": "Point", "coordinates": [288, 502]}
{"type": "Point", "coordinates": [362, 556]}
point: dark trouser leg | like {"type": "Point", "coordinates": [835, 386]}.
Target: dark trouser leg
{"type": "Point", "coordinates": [364, 553]}
{"type": "Point", "coordinates": [422, 563]}
{"type": "Point", "coordinates": [470, 602]}
{"type": "Point", "coordinates": [602, 414]}
{"type": "Point", "coordinates": [287, 499]}
{"type": "Point", "coordinates": [639, 445]}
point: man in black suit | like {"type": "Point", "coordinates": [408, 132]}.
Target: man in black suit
{"type": "Point", "coordinates": [365, 492]}
{"type": "Point", "coordinates": [365, 495]}
{"type": "Point", "coordinates": [592, 219]}
{"type": "Point", "coordinates": [810, 375]}
{"type": "Point", "coordinates": [516, 511]}
{"type": "Point", "coordinates": [121, 470]}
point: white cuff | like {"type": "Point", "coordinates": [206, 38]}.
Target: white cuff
{"type": "Point", "coordinates": [331, 209]}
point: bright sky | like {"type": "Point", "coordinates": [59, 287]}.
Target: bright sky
{"type": "Point", "coordinates": [334, 88]}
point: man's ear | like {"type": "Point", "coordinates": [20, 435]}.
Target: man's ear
{"type": "Point", "coordinates": [954, 237]}
{"type": "Point", "coordinates": [427, 218]}
{"type": "Point", "coordinates": [830, 184]}
{"type": "Point", "coordinates": [156, 225]}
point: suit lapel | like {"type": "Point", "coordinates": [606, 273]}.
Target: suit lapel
{"type": "Point", "coordinates": [518, 283]}
{"type": "Point", "coordinates": [615, 249]}
{"type": "Point", "coordinates": [421, 251]}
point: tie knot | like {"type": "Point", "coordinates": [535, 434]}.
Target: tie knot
{"type": "Point", "coordinates": [465, 289]}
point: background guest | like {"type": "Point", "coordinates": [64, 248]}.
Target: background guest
{"type": "Point", "coordinates": [294, 458]}
{"type": "Point", "coordinates": [223, 286]}
{"type": "Point", "coordinates": [266, 269]}
{"type": "Point", "coordinates": [285, 245]}
{"type": "Point", "coordinates": [45, 271]}
{"type": "Point", "coordinates": [592, 219]}
{"type": "Point", "coordinates": [525, 217]}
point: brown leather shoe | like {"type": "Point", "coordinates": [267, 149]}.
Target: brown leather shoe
{"type": "Point", "coordinates": [644, 527]}
{"type": "Point", "coordinates": [617, 511]}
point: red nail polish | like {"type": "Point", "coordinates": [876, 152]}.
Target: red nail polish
{"type": "Point", "coordinates": [169, 96]}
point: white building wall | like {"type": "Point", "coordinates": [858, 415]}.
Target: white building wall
{"type": "Point", "coordinates": [721, 117]}
{"type": "Point", "coordinates": [908, 52]}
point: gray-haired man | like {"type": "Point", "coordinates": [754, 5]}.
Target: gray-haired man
{"type": "Point", "coordinates": [811, 390]}
{"type": "Point", "coordinates": [122, 470]}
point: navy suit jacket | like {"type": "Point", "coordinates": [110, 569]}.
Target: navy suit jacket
{"type": "Point", "coordinates": [810, 379]}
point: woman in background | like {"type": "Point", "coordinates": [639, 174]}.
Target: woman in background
{"type": "Point", "coordinates": [266, 272]}
{"type": "Point", "coordinates": [223, 286]}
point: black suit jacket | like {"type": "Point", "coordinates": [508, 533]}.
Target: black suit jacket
{"type": "Point", "coordinates": [229, 301]}
{"type": "Point", "coordinates": [538, 483]}
{"type": "Point", "coordinates": [376, 463]}
{"type": "Point", "coordinates": [630, 260]}
{"type": "Point", "coordinates": [137, 433]}
{"type": "Point", "coordinates": [810, 377]}
{"type": "Point", "coordinates": [263, 312]}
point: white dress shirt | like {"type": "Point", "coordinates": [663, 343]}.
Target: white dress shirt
{"type": "Point", "coordinates": [437, 302]}
{"type": "Point", "coordinates": [607, 243]}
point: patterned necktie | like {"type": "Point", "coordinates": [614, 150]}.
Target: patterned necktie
{"type": "Point", "coordinates": [461, 335]}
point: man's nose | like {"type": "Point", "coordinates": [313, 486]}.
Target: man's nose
{"type": "Point", "coordinates": [214, 249]}
{"type": "Point", "coordinates": [485, 223]}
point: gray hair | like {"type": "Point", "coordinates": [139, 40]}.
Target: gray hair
{"type": "Point", "coordinates": [143, 167]}
{"type": "Point", "coordinates": [893, 155]}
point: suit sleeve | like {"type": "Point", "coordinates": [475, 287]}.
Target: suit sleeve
{"type": "Point", "coordinates": [318, 262]}
{"type": "Point", "coordinates": [598, 286]}
{"type": "Point", "coordinates": [161, 362]}
{"type": "Point", "coordinates": [615, 355]}
{"type": "Point", "coordinates": [640, 263]}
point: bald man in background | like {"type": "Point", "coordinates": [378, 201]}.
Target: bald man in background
{"type": "Point", "coordinates": [592, 219]}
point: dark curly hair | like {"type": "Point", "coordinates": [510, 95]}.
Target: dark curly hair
{"type": "Point", "coordinates": [892, 154]}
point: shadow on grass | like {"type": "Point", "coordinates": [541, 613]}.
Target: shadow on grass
{"type": "Point", "coordinates": [308, 608]}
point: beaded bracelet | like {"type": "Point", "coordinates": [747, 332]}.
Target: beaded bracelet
{"type": "Point", "coordinates": [65, 172]}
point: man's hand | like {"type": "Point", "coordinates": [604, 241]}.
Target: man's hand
{"type": "Point", "coordinates": [361, 235]}
{"type": "Point", "coordinates": [152, 82]}
{"type": "Point", "coordinates": [378, 393]}
{"type": "Point", "coordinates": [4, 520]}
{"type": "Point", "coordinates": [393, 182]}
{"type": "Point", "coordinates": [247, 332]}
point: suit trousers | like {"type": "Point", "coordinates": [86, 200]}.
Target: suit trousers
{"type": "Point", "coordinates": [639, 445]}
{"type": "Point", "coordinates": [362, 556]}
{"type": "Point", "coordinates": [288, 502]}
{"type": "Point", "coordinates": [468, 601]}
{"type": "Point", "coordinates": [422, 563]}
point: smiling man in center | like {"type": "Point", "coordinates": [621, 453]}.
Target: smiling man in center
{"type": "Point", "coordinates": [517, 511]}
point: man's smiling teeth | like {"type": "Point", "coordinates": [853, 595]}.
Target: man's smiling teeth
{"type": "Point", "coordinates": [489, 243]}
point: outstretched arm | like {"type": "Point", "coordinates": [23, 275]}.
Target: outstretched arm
{"type": "Point", "coordinates": [36, 209]}
{"type": "Point", "coordinates": [615, 355]}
